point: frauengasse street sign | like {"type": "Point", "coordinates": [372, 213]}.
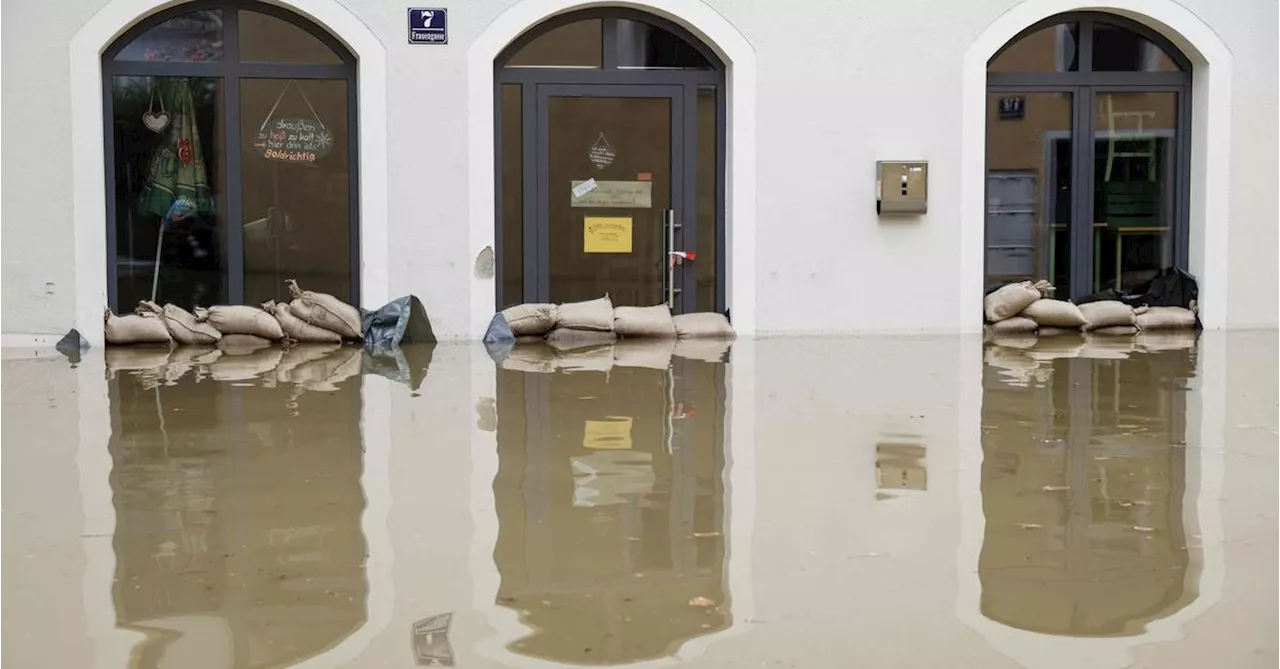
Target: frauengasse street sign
{"type": "Point", "coordinates": [428, 25]}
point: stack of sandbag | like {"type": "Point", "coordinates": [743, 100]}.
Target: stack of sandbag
{"type": "Point", "coordinates": [583, 324]}
{"type": "Point", "coordinates": [325, 311]}
{"type": "Point", "coordinates": [1022, 308]}
{"type": "Point", "coordinates": [1002, 307]}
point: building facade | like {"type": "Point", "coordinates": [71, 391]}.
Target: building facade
{"type": "Point", "coordinates": [722, 156]}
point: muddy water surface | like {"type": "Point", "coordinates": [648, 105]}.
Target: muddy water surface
{"type": "Point", "coordinates": [911, 502]}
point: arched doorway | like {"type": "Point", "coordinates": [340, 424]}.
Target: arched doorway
{"type": "Point", "coordinates": [1088, 143]}
{"type": "Point", "coordinates": [231, 161]}
{"type": "Point", "coordinates": [610, 157]}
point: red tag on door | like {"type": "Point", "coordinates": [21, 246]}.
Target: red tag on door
{"type": "Point", "coordinates": [644, 176]}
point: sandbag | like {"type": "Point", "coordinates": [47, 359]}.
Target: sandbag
{"type": "Point", "coordinates": [325, 310]}
{"type": "Point", "coordinates": [652, 321]}
{"type": "Point", "coordinates": [297, 329]}
{"type": "Point", "coordinates": [135, 329]}
{"type": "Point", "coordinates": [1054, 313]}
{"type": "Point", "coordinates": [1009, 300]}
{"type": "Point", "coordinates": [1013, 325]}
{"type": "Point", "coordinates": [1116, 330]}
{"type": "Point", "coordinates": [530, 319]}
{"type": "Point", "coordinates": [564, 339]}
{"type": "Point", "coordinates": [590, 315]}
{"type": "Point", "coordinates": [1106, 313]}
{"type": "Point", "coordinates": [708, 325]}
{"type": "Point", "coordinates": [1167, 318]}
{"type": "Point", "coordinates": [241, 319]}
{"type": "Point", "coordinates": [182, 324]}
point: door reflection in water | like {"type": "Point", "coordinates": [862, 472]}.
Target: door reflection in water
{"type": "Point", "coordinates": [610, 497]}
{"type": "Point", "coordinates": [236, 482]}
{"type": "Point", "coordinates": [1084, 444]}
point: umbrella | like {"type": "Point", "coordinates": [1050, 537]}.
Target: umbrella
{"type": "Point", "coordinates": [177, 185]}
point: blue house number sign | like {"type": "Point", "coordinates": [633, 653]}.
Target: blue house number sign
{"type": "Point", "coordinates": [428, 26]}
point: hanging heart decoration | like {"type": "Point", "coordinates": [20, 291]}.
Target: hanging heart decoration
{"type": "Point", "coordinates": [156, 122]}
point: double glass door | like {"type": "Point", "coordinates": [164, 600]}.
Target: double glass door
{"type": "Point", "coordinates": [614, 198]}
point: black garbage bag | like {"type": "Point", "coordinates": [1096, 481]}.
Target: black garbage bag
{"type": "Point", "coordinates": [1171, 287]}
{"type": "Point", "coordinates": [402, 364]}
{"type": "Point", "coordinates": [400, 321]}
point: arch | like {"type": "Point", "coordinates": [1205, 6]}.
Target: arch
{"type": "Point", "coordinates": [1211, 64]}
{"type": "Point", "coordinates": [700, 22]}
{"type": "Point", "coordinates": [88, 135]}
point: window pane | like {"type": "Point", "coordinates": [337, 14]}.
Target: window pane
{"type": "Point", "coordinates": [708, 195]}
{"type": "Point", "coordinates": [578, 44]}
{"type": "Point", "coordinates": [297, 187]}
{"type": "Point", "coordinates": [265, 38]}
{"type": "Point", "coordinates": [1029, 164]}
{"type": "Point", "coordinates": [193, 37]}
{"type": "Point", "coordinates": [1134, 187]}
{"type": "Point", "coordinates": [1051, 49]}
{"type": "Point", "coordinates": [512, 197]}
{"type": "Point", "coordinates": [168, 150]}
{"type": "Point", "coordinates": [641, 45]}
{"type": "Point", "coordinates": [1118, 50]}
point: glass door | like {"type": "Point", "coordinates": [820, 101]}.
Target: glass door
{"type": "Point", "coordinates": [611, 215]}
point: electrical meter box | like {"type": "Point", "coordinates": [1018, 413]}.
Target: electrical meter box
{"type": "Point", "coordinates": [902, 187]}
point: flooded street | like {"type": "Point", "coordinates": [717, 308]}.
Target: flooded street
{"type": "Point", "coordinates": [872, 501]}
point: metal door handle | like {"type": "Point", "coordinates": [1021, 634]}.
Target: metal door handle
{"type": "Point", "coordinates": [669, 224]}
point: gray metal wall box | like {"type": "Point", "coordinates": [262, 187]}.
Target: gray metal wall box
{"type": "Point", "coordinates": [902, 186]}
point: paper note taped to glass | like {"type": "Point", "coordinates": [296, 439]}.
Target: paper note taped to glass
{"type": "Point", "coordinates": [615, 194]}
{"type": "Point", "coordinates": [606, 234]}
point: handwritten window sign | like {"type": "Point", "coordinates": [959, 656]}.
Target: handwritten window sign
{"type": "Point", "coordinates": [294, 140]}
{"type": "Point", "coordinates": [606, 234]}
{"type": "Point", "coordinates": [1013, 108]}
{"type": "Point", "coordinates": [601, 153]}
{"type": "Point", "coordinates": [613, 194]}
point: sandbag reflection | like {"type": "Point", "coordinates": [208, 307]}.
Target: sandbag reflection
{"type": "Point", "coordinates": [1083, 479]}
{"type": "Point", "coordinates": [236, 484]}
{"type": "Point", "coordinates": [610, 497]}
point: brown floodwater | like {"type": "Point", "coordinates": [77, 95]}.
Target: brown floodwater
{"type": "Point", "coordinates": [874, 501]}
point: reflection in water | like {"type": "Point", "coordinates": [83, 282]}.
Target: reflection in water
{"type": "Point", "coordinates": [611, 541]}
{"type": "Point", "coordinates": [1084, 443]}
{"type": "Point", "coordinates": [236, 481]}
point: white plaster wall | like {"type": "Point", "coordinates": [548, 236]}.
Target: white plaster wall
{"type": "Point", "coordinates": [838, 85]}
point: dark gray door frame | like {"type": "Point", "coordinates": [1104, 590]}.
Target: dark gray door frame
{"type": "Point", "coordinates": [537, 233]}
{"type": "Point", "coordinates": [1084, 85]}
{"type": "Point", "coordinates": [230, 71]}
{"type": "Point", "coordinates": [610, 75]}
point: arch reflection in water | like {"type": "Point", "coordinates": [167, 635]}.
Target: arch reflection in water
{"type": "Point", "coordinates": [1084, 443]}
{"type": "Point", "coordinates": [610, 497]}
{"type": "Point", "coordinates": [236, 483]}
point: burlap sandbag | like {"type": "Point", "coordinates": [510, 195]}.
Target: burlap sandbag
{"type": "Point", "coordinates": [1106, 313]}
{"type": "Point", "coordinates": [703, 326]}
{"type": "Point", "coordinates": [1054, 313]}
{"type": "Point", "coordinates": [652, 321]}
{"type": "Point", "coordinates": [590, 315]}
{"type": "Point", "coordinates": [297, 329]}
{"type": "Point", "coordinates": [241, 319]}
{"type": "Point", "coordinates": [1009, 300]}
{"type": "Point", "coordinates": [182, 324]}
{"type": "Point", "coordinates": [1013, 325]}
{"type": "Point", "coordinates": [565, 339]}
{"type": "Point", "coordinates": [1167, 318]}
{"type": "Point", "coordinates": [135, 329]}
{"type": "Point", "coordinates": [530, 319]}
{"type": "Point", "coordinates": [326, 311]}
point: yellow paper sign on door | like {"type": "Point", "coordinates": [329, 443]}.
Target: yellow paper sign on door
{"type": "Point", "coordinates": [606, 234]}
{"type": "Point", "coordinates": [613, 434]}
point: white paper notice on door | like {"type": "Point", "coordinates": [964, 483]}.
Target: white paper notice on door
{"type": "Point", "coordinates": [613, 194]}
{"type": "Point", "coordinates": [583, 187]}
